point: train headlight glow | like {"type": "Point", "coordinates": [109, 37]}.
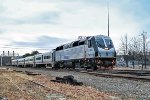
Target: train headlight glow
{"type": "Point", "coordinates": [106, 48]}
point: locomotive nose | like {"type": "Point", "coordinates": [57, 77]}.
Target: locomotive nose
{"type": "Point", "coordinates": [107, 53]}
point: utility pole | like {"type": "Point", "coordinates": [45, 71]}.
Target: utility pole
{"type": "Point", "coordinates": [108, 15]}
{"type": "Point", "coordinates": [144, 42]}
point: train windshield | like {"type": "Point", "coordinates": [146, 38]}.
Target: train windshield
{"type": "Point", "coordinates": [109, 43]}
{"type": "Point", "coordinates": [104, 42]}
{"type": "Point", "coordinates": [100, 42]}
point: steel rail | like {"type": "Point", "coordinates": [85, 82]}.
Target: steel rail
{"type": "Point", "coordinates": [126, 76]}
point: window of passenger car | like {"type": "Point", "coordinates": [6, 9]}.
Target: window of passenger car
{"type": "Point", "coordinates": [39, 58]}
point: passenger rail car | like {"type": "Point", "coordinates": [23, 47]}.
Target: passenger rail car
{"type": "Point", "coordinates": [29, 61]}
{"type": "Point", "coordinates": [90, 52]}
{"type": "Point", "coordinates": [42, 60]}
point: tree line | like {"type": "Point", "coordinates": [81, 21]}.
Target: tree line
{"type": "Point", "coordinates": [137, 48]}
{"type": "Point", "coordinates": [30, 54]}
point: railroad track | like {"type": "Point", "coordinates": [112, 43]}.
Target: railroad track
{"type": "Point", "coordinates": [128, 74]}
{"type": "Point", "coordinates": [123, 74]}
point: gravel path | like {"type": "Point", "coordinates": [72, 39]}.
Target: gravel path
{"type": "Point", "coordinates": [123, 88]}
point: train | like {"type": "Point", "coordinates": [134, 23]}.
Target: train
{"type": "Point", "coordinates": [90, 52]}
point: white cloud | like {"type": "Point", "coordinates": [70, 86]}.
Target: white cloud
{"type": "Point", "coordinates": [20, 20]}
{"type": "Point", "coordinates": [22, 8]}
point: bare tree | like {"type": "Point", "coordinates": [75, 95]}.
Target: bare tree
{"type": "Point", "coordinates": [135, 50]}
{"type": "Point", "coordinates": [135, 45]}
{"type": "Point", "coordinates": [124, 44]}
{"type": "Point", "coordinates": [124, 47]}
{"type": "Point", "coordinates": [138, 47]}
{"type": "Point", "coordinates": [145, 44]}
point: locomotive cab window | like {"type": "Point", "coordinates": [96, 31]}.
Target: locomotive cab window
{"type": "Point", "coordinates": [89, 43]}
{"type": "Point", "coordinates": [100, 42]}
{"type": "Point", "coordinates": [109, 43]}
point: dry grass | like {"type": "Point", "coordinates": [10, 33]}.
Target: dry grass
{"type": "Point", "coordinates": [15, 86]}
{"type": "Point", "coordinates": [75, 92]}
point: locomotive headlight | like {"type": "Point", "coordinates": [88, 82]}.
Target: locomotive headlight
{"type": "Point", "coordinates": [106, 48]}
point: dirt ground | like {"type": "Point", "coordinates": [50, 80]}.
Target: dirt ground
{"type": "Point", "coordinates": [17, 86]}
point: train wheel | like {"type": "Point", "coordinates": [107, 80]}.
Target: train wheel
{"type": "Point", "coordinates": [94, 68]}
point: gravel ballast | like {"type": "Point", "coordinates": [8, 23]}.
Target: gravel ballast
{"type": "Point", "coordinates": [124, 89]}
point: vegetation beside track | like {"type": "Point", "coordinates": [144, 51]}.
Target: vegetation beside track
{"type": "Point", "coordinates": [18, 85]}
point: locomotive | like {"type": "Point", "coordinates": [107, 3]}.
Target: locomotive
{"type": "Point", "coordinates": [89, 52]}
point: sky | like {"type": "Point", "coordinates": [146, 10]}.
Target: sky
{"type": "Point", "coordinates": [28, 25]}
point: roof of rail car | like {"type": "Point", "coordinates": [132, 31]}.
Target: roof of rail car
{"type": "Point", "coordinates": [29, 57]}
{"type": "Point", "coordinates": [102, 36]}
{"type": "Point", "coordinates": [47, 53]}
{"type": "Point", "coordinates": [79, 40]}
{"type": "Point", "coordinates": [38, 54]}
